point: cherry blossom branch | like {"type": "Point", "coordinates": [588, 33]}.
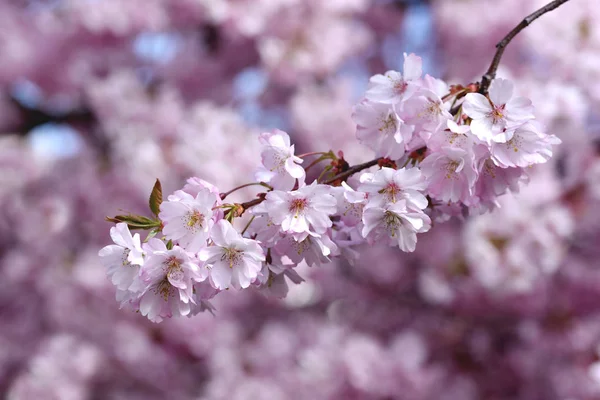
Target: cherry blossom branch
{"type": "Point", "coordinates": [312, 153]}
{"type": "Point", "coordinates": [248, 225]}
{"type": "Point", "coordinates": [352, 170]}
{"type": "Point", "coordinates": [248, 204]}
{"type": "Point", "coordinates": [223, 195]}
{"type": "Point", "coordinates": [240, 208]}
{"type": "Point", "coordinates": [486, 80]}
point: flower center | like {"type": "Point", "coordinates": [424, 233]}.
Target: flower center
{"type": "Point", "coordinates": [489, 168]}
{"type": "Point", "coordinates": [302, 246]}
{"type": "Point", "coordinates": [514, 143]}
{"type": "Point", "coordinates": [431, 110]}
{"type": "Point", "coordinates": [392, 222]}
{"type": "Point", "coordinates": [451, 168]}
{"type": "Point", "coordinates": [497, 114]}
{"type": "Point", "coordinates": [164, 289]}
{"type": "Point", "coordinates": [400, 86]}
{"type": "Point", "coordinates": [297, 206]}
{"type": "Point", "coordinates": [391, 192]}
{"type": "Point", "coordinates": [174, 270]}
{"type": "Point", "coordinates": [124, 259]}
{"type": "Point", "coordinates": [354, 209]}
{"type": "Point", "coordinates": [278, 159]}
{"type": "Point", "coordinates": [233, 255]}
{"type": "Point", "coordinates": [456, 137]}
{"type": "Point", "coordinates": [388, 124]}
{"type": "Point", "coordinates": [194, 220]}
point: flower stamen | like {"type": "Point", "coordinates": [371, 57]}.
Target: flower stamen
{"type": "Point", "coordinates": [297, 206]}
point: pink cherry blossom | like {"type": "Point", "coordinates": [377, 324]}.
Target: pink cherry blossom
{"type": "Point", "coordinates": [313, 249]}
{"type": "Point", "coordinates": [495, 119]}
{"type": "Point", "coordinates": [528, 146]}
{"type": "Point", "coordinates": [426, 110]}
{"type": "Point", "coordinates": [168, 276]}
{"type": "Point", "coordinates": [279, 164]}
{"type": "Point", "coordinates": [187, 220]}
{"type": "Point", "coordinates": [494, 181]}
{"type": "Point", "coordinates": [124, 258]}
{"type": "Point", "coordinates": [450, 174]}
{"type": "Point", "coordinates": [396, 221]}
{"type": "Point", "coordinates": [233, 261]}
{"type": "Point", "coordinates": [350, 204]}
{"type": "Point", "coordinates": [271, 280]}
{"type": "Point", "coordinates": [301, 212]}
{"type": "Point", "coordinates": [492, 306]}
{"type": "Point", "coordinates": [393, 87]}
{"type": "Point", "coordinates": [195, 185]}
{"type": "Point", "coordinates": [380, 128]}
{"type": "Point", "coordinates": [457, 136]}
{"type": "Point", "coordinates": [390, 186]}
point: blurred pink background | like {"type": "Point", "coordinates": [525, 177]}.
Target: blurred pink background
{"type": "Point", "coordinates": [98, 98]}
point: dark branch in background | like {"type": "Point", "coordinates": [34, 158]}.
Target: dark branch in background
{"type": "Point", "coordinates": [33, 117]}
{"type": "Point", "coordinates": [211, 37]}
{"type": "Point", "coordinates": [403, 4]}
{"type": "Point", "coordinates": [486, 80]}
{"type": "Point", "coordinates": [82, 117]}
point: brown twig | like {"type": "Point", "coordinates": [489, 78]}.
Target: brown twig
{"type": "Point", "coordinates": [244, 206]}
{"type": "Point", "coordinates": [486, 80]}
{"type": "Point", "coordinates": [352, 170]}
{"type": "Point", "coordinates": [223, 195]}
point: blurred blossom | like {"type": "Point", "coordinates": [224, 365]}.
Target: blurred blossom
{"type": "Point", "coordinates": [98, 99]}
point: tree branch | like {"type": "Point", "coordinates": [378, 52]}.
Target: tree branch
{"type": "Point", "coordinates": [486, 80]}
{"type": "Point", "coordinates": [352, 170]}
{"type": "Point", "coordinates": [349, 172]}
{"type": "Point", "coordinates": [81, 118]}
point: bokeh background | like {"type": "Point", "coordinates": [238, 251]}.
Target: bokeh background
{"type": "Point", "coordinates": [98, 98]}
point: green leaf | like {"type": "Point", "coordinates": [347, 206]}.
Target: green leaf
{"type": "Point", "coordinates": [170, 244]}
{"type": "Point", "coordinates": [326, 156]}
{"type": "Point", "coordinates": [326, 170]}
{"type": "Point", "coordinates": [156, 198]}
{"type": "Point", "coordinates": [263, 184]}
{"type": "Point", "coordinates": [135, 221]}
{"type": "Point", "coordinates": [229, 215]}
{"type": "Point", "coordinates": [152, 233]}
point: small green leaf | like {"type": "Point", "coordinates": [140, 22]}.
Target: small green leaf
{"type": "Point", "coordinates": [263, 184]}
{"type": "Point", "coordinates": [326, 156]}
{"type": "Point", "coordinates": [229, 215]}
{"type": "Point", "coordinates": [135, 221]}
{"type": "Point", "coordinates": [156, 198]}
{"type": "Point", "coordinates": [170, 244]}
{"type": "Point", "coordinates": [151, 234]}
{"type": "Point", "coordinates": [326, 170]}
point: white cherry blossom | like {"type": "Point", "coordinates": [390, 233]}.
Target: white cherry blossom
{"type": "Point", "coordinates": [300, 212]}
{"type": "Point", "coordinates": [393, 87]}
{"type": "Point", "coordinates": [450, 174]}
{"type": "Point", "coordinates": [528, 146]}
{"type": "Point", "coordinates": [234, 261]}
{"type": "Point", "coordinates": [494, 119]}
{"type": "Point", "coordinates": [314, 249]}
{"type": "Point", "coordinates": [168, 277]}
{"type": "Point", "coordinates": [390, 186]}
{"type": "Point", "coordinates": [187, 220]}
{"type": "Point", "coordinates": [124, 258]}
{"type": "Point", "coordinates": [397, 222]}
{"type": "Point", "coordinates": [380, 128]}
{"type": "Point", "coordinates": [280, 167]}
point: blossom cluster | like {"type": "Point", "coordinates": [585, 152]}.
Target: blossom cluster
{"type": "Point", "coordinates": [440, 152]}
{"type": "Point", "coordinates": [502, 305]}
